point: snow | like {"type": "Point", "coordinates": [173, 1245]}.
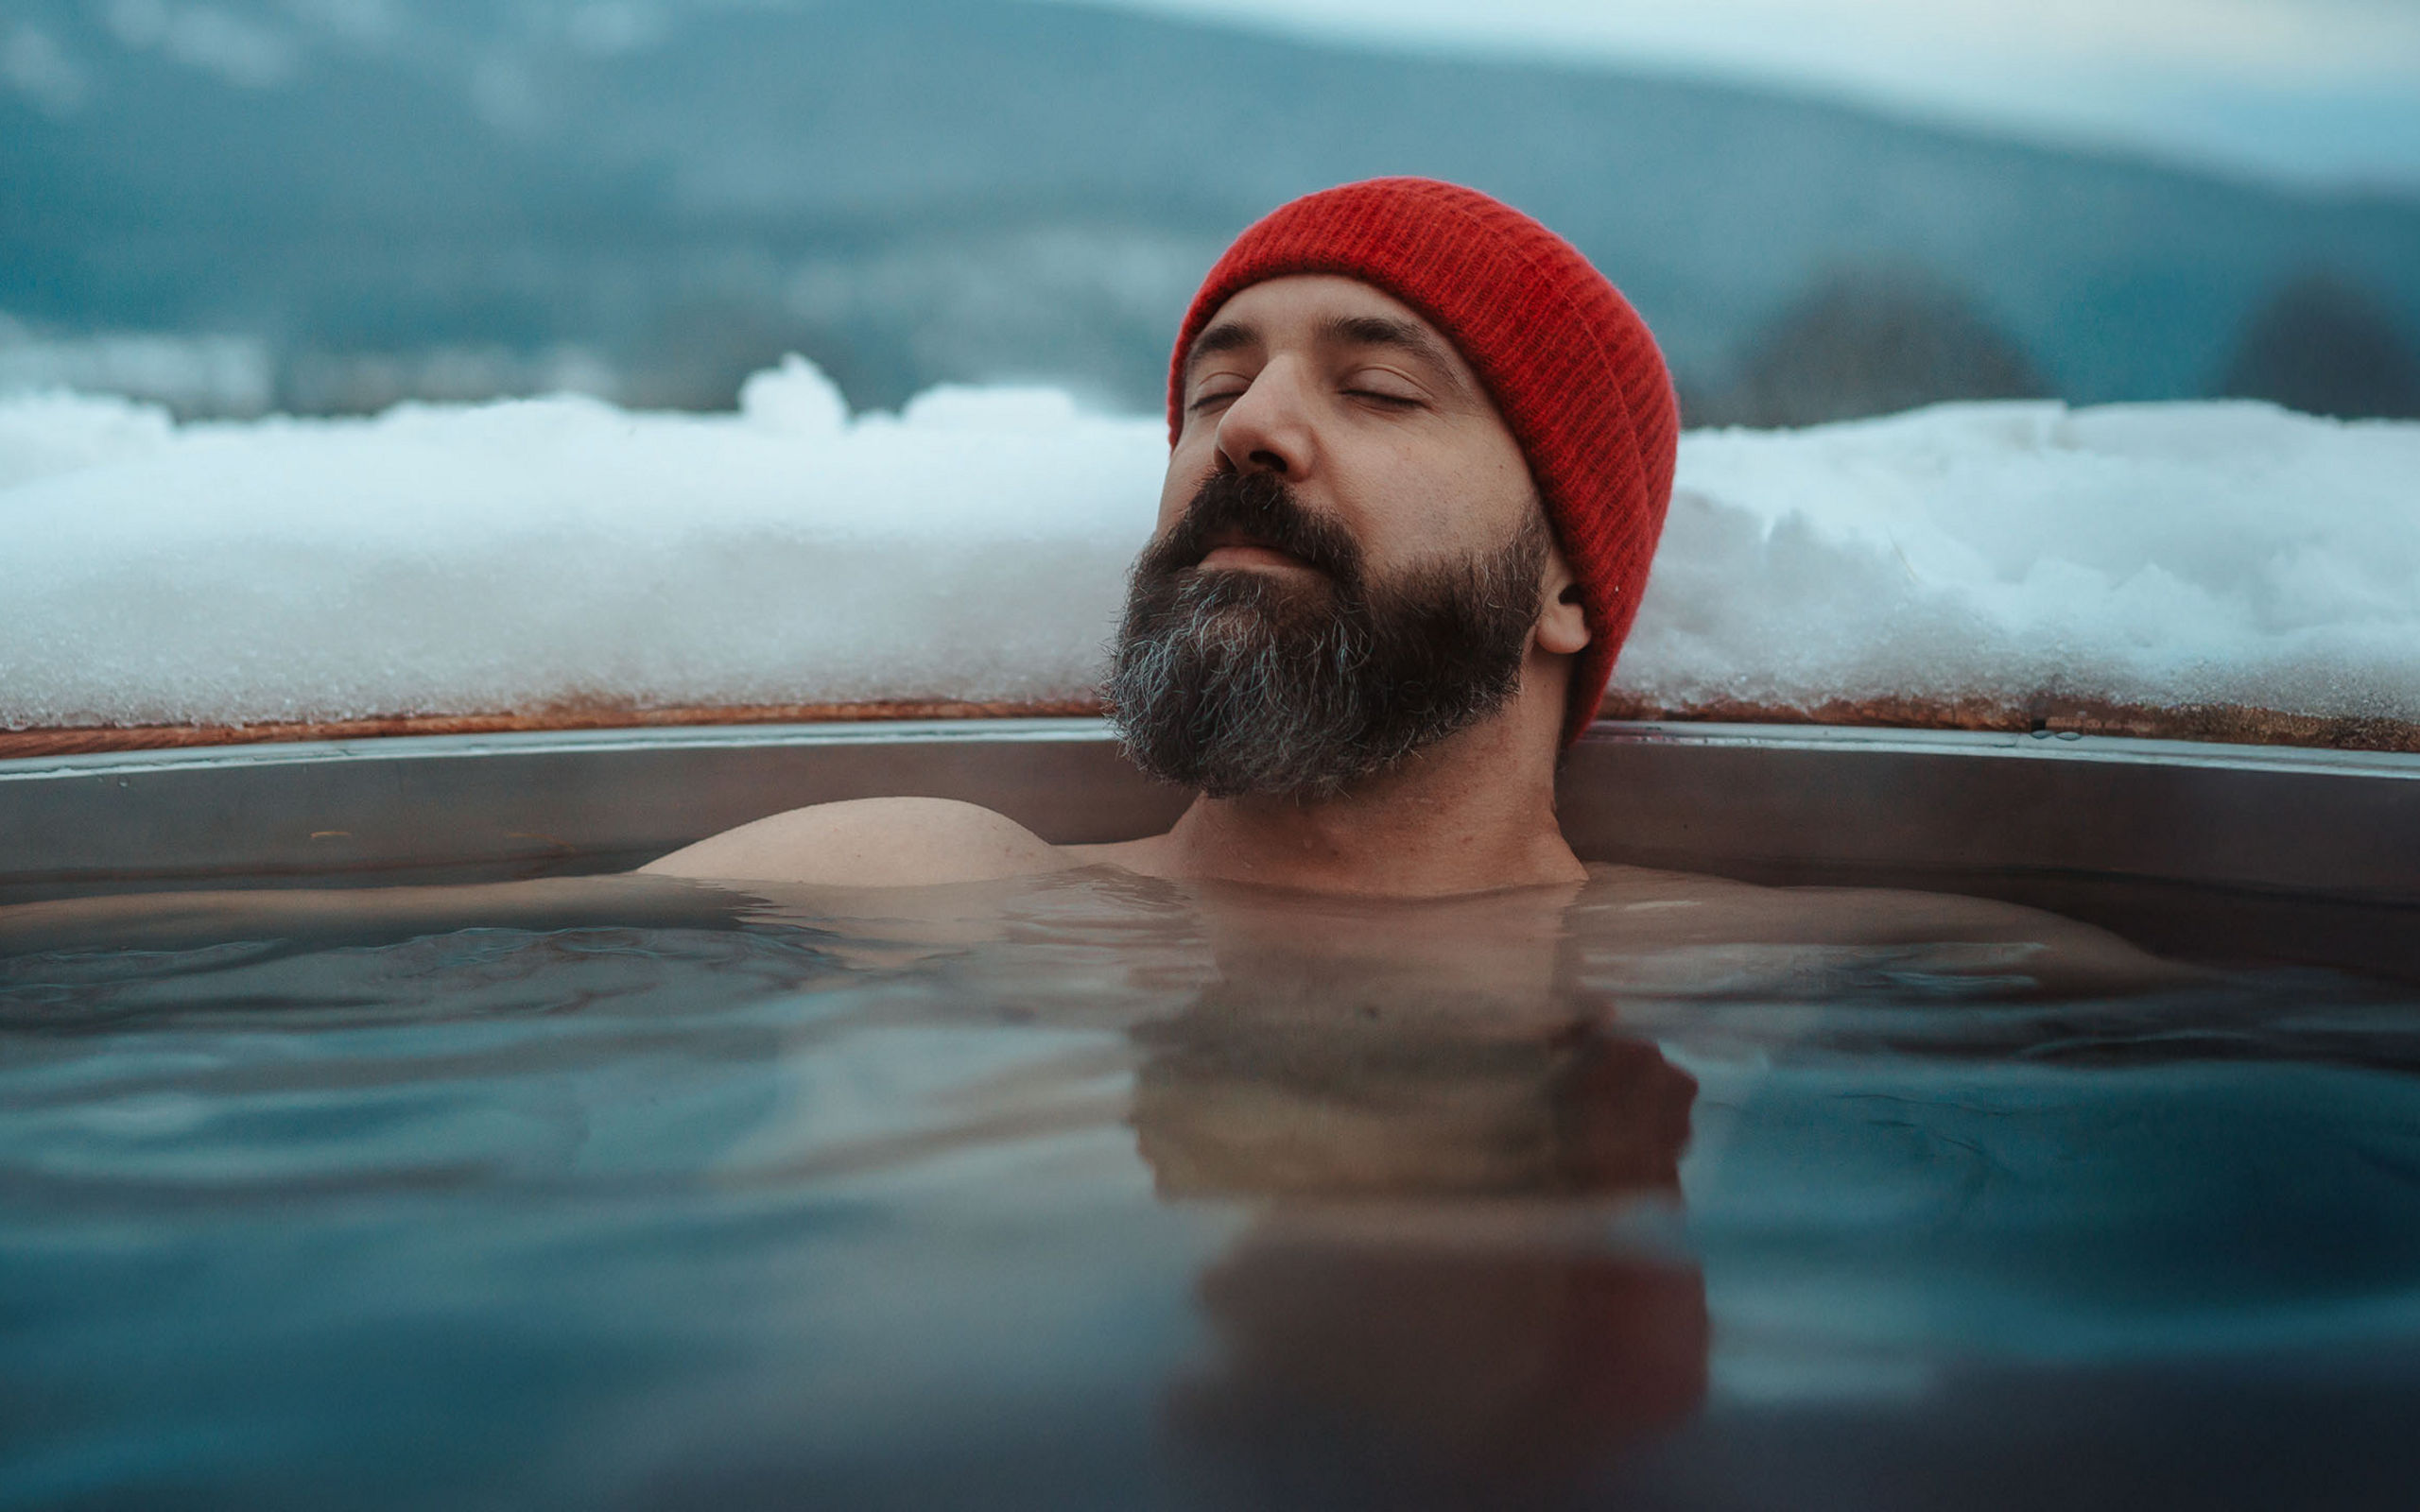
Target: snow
{"type": "Point", "coordinates": [536, 553]}
{"type": "Point", "coordinates": [557, 551]}
{"type": "Point", "coordinates": [2163, 555]}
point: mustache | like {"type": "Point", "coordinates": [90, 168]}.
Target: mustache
{"type": "Point", "coordinates": [1261, 507]}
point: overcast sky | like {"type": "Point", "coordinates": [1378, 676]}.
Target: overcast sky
{"type": "Point", "coordinates": [2324, 91]}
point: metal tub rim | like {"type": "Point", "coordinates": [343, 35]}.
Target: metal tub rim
{"type": "Point", "coordinates": [2087, 825]}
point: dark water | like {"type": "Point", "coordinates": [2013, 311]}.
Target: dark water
{"type": "Point", "coordinates": [1091, 1191]}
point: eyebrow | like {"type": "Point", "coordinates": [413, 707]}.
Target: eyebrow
{"type": "Point", "coordinates": [1227, 335]}
{"type": "Point", "coordinates": [1384, 330]}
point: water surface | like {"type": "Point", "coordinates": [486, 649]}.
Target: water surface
{"type": "Point", "coordinates": [1089, 1191]}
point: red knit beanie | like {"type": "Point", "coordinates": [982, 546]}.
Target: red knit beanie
{"type": "Point", "coordinates": [1569, 364]}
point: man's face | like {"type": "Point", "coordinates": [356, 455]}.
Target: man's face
{"type": "Point", "coordinates": [1349, 557]}
{"type": "Point", "coordinates": [1367, 411]}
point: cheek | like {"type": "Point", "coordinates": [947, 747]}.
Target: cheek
{"type": "Point", "coordinates": [1415, 504]}
{"type": "Point", "coordinates": [1490, 491]}
{"type": "Point", "coordinates": [1496, 481]}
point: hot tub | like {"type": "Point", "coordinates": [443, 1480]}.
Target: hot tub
{"type": "Point", "coordinates": [1092, 1192]}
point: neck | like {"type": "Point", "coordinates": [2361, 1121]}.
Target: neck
{"type": "Point", "coordinates": [1474, 811]}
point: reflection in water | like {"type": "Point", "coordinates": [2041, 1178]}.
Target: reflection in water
{"type": "Point", "coordinates": [1090, 1192]}
{"type": "Point", "coordinates": [1453, 1286]}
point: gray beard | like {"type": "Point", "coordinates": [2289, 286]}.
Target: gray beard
{"type": "Point", "coordinates": [1240, 684]}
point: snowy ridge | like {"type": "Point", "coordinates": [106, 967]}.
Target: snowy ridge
{"type": "Point", "coordinates": [564, 552]}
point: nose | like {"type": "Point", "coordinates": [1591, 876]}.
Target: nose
{"type": "Point", "coordinates": [1268, 428]}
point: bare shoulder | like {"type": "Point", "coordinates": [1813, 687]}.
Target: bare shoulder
{"type": "Point", "coordinates": [872, 842]}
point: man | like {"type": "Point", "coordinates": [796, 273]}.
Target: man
{"type": "Point", "coordinates": [1420, 455]}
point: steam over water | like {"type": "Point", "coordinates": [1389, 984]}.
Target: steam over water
{"type": "Point", "coordinates": [1093, 1191]}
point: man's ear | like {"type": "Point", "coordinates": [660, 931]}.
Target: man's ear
{"type": "Point", "coordinates": [1563, 625]}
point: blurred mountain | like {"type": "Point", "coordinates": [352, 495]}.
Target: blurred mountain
{"type": "Point", "coordinates": [2326, 346]}
{"type": "Point", "coordinates": [653, 197]}
{"type": "Point", "coordinates": [1871, 342]}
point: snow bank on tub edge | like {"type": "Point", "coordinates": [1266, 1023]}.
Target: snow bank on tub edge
{"type": "Point", "coordinates": [538, 553]}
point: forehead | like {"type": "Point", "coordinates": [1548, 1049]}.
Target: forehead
{"type": "Point", "coordinates": [1307, 309]}
{"type": "Point", "coordinates": [1300, 295]}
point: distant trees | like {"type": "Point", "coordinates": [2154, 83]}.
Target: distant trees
{"type": "Point", "coordinates": [2326, 345]}
{"type": "Point", "coordinates": [1868, 342]}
